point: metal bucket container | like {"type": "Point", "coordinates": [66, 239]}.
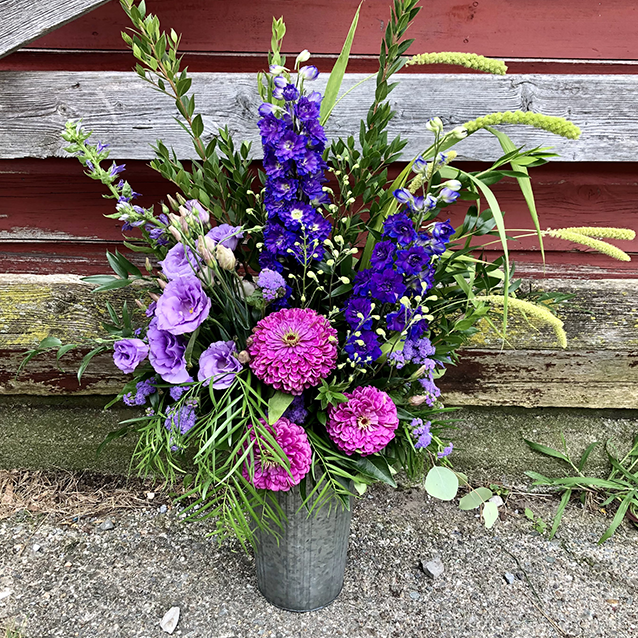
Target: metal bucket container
{"type": "Point", "coordinates": [302, 569]}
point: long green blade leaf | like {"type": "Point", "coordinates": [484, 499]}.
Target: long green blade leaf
{"type": "Point", "coordinates": [620, 514]}
{"type": "Point", "coordinates": [559, 512]}
{"type": "Point", "coordinates": [337, 73]}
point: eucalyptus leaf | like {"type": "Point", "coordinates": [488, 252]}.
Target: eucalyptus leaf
{"type": "Point", "coordinates": [442, 483]}
{"type": "Point", "coordinates": [475, 498]}
{"type": "Point", "coordinates": [490, 514]}
{"type": "Point", "coordinates": [277, 405]}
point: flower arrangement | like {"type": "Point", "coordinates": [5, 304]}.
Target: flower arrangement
{"type": "Point", "coordinates": [292, 321]}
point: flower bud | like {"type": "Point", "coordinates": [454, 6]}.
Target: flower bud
{"type": "Point", "coordinates": [309, 73]}
{"type": "Point", "coordinates": [459, 132]}
{"type": "Point", "coordinates": [453, 184]}
{"type": "Point", "coordinates": [161, 283]}
{"type": "Point", "coordinates": [417, 400]}
{"type": "Point", "coordinates": [435, 125]}
{"type": "Point", "coordinates": [225, 257]}
{"type": "Point", "coordinates": [148, 265]}
{"type": "Point", "coordinates": [243, 357]}
{"type": "Point", "coordinates": [276, 69]}
{"type": "Point", "coordinates": [304, 56]}
{"type": "Point", "coordinates": [249, 288]}
{"type": "Point", "coordinates": [153, 296]}
{"type": "Point", "coordinates": [175, 233]}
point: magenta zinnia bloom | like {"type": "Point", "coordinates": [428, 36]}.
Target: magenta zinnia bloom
{"type": "Point", "coordinates": [365, 423]}
{"type": "Point", "coordinates": [268, 474]}
{"type": "Point", "coordinates": [293, 349]}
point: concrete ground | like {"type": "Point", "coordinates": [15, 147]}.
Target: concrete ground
{"type": "Point", "coordinates": [65, 580]}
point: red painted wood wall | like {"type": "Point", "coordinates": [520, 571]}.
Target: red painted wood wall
{"type": "Point", "coordinates": [56, 225]}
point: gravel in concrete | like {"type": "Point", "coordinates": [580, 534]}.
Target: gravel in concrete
{"type": "Point", "coordinates": [121, 582]}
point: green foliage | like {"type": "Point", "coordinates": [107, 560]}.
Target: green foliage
{"type": "Point", "coordinates": [537, 522]}
{"type": "Point", "coordinates": [619, 489]}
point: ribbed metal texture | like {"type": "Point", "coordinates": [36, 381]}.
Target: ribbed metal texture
{"type": "Point", "coordinates": [304, 570]}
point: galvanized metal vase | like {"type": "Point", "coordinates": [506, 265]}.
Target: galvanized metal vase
{"type": "Point", "coordinates": [303, 569]}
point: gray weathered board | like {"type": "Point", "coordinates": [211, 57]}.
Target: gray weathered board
{"type": "Point", "coordinates": [599, 369]}
{"type": "Point", "coordinates": [125, 112]}
{"type": "Point", "coordinates": [22, 21]}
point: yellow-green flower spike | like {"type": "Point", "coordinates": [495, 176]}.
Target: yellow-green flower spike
{"type": "Point", "coordinates": [610, 233]}
{"type": "Point", "coordinates": [468, 60]}
{"type": "Point", "coordinates": [600, 246]}
{"type": "Point", "coordinates": [557, 125]}
{"type": "Point", "coordinates": [416, 183]}
{"type": "Point", "coordinates": [541, 313]}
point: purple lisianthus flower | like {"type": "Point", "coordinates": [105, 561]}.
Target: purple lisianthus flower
{"type": "Point", "coordinates": [166, 354]}
{"type": "Point", "coordinates": [129, 353]}
{"type": "Point", "coordinates": [180, 261]}
{"type": "Point", "coordinates": [226, 235]}
{"type": "Point", "coordinates": [401, 228]}
{"type": "Point", "coordinates": [290, 146]}
{"type": "Point", "coordinates": [218, 365]}
{"type": "Point", "coordinates": [150, 311]}
{"type": "Point", "coordinates": [383, 255]}
{"type": "Point", "coordinates": [387, 286]}
{"type": "Point", "coordinates": [363, 348]}
{"type": "Point", "coordinates": [183, 306]}
{"type": "Point", "coordinates": [358, 313]}
{"type": "Point", "coordinates": [197, 210]}
{"type": "Point", "coordinates": [412, 260]}
{"type": "Point", "coordinates": [272, 284]}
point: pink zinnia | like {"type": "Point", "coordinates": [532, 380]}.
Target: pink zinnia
{"type": "Point", "coordinates": [293, 349]}
{"type": "Point", "coordinates": [268, 474]}
{"type": "Point", "coordinates": [365, 423]}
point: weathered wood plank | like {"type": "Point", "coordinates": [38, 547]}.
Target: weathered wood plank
{"type": "Point", "coordinates": [599, 368]}
{"type": "Point", "coordinates": [544, 378]}
{"type": "Point", "coordinates": [22, 21]}
{"type": "Point", "coordinates": [127, 113]}
{"type": "Point", "coordinates": [500, 28]}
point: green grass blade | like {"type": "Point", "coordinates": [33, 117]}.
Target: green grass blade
{"type": "Point", "coordinates": [337, 73]}
{"type": "Point", "coordinates": [525, 185]}
{"type": "Point", "coordinates": [620, 514]}
{"type": "Point", "coordinates": [560, 511]}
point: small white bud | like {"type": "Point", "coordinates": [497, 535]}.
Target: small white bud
{"type": "Point", "coordinates": [435, 125]}
{"type": "Point", "coordinates": [225, 257]}
{"type": "Point", "coordinates": [459, 132]}
{"type": "Point", "coordinates": [344, 280]}
{"type": "Point", "coordinates": [304, 56]}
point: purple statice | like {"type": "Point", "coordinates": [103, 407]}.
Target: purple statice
{"type": "Point", "coordinates": [181, 418]}
{"type": "Point", "coordinates": [143, 390]}
{"type": "Point", "coordinates": [293, 142]}
{"type": "Point", "coordinates": [176, 392]}
{"type": "Point", "coordinates": [272, 284]}
{"type": "Point", "coordinates": [430, 391]}
{"type": "Point", "coordinates": [446, 451]}
{"type": "Point", "coordinates": [297, 412]}
{"type": "Point", "coordinates": [400, 227]}
{"type": "Point", "coordinates": [421, 432]}
{"type": "Point", "coordinates": [419, 350]}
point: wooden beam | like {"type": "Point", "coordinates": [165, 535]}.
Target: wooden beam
{"type": "Point", "coordinates": [125, 112]}
{"type": "Point", "coordinates": [598, 369]}
{"type": "Point", "coordinates": [22, 21]}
